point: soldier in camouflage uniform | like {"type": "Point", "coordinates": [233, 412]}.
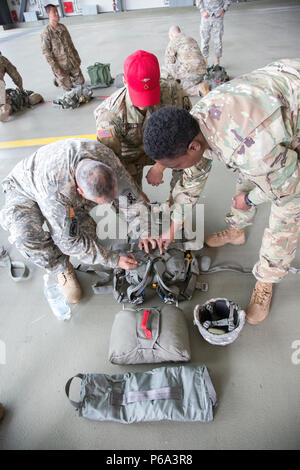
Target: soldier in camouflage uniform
{"type": "Point", "coordinates": [60, 52]}
{"type": "Point", "coordinates": [121, 118]}
{"type": "Point", "coordinates": [212, 19]}
{"type": "Point", "coordinates": [252, 124]}
{"type": "Point", "coordinates": [50, 187]}
{"type": "Point", "coordinates": [184, 62]}
{"type": "Point", "coordinates": [7, 67]}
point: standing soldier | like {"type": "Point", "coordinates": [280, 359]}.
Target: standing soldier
{"type": "Point", "coordinates": [252, 125]}
{"type": "Point", "coordinates": [184, 62]}
{"type": "Point", "coordinates": [60, 52]}
{"type": "Point", "coordinates": [121, 118]}
{"type": "Point", "coordinates": [7, 67]}
{"type": "Point", "coordinates": [212, 19]}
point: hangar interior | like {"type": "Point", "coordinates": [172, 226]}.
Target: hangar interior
{"type": "Point", "coordinates": [256, 378]}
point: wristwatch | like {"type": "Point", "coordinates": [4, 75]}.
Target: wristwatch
{"type": "Point", "coordinates": [247, 200]}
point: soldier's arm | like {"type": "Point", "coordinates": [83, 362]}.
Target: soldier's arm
{"type": "Point", "coordinates": [13, 73]}
{"type": "Point", "coordinates": [107, 132]}
{"type": "Point", "coordinates": [131, 201]}
{"type": "Point", "coordinates": [200, 5]}
{"type": "Point", "coordinates": [276, 178]}
{"type": "Point", "coordinates": [170, 54]}
{"type": "Point", "coordinates": [75, 52]}
{"type": "Point", "coordinates": [73, 239]}
{"type": "Point", "coordinates": [188, 189]}
{"type": "Point", "coordinates": [226, 4]}
{"type": "Point", "coordinates": [47, 51]}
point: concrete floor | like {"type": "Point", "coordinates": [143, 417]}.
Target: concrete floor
{"type": "Point", "coordinates": [256, 381]}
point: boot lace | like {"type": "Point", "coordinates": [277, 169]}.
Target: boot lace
{"type": "Point", "coordinates": [261, 295]}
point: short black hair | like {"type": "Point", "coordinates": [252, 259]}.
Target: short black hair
{"type": "Point", "coordinates": [49, 6]}
{"type": "Point", "coordinates": [168, 133]}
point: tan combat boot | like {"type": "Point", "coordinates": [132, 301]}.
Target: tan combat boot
{"type": "Point", "coordinates": [1, 411]}
{"type": "Point", "coordinates": [69, 285]}
{"type": "Point", "coordinates": [203, 89]}
{"type": "Point", "coordinates": [232, 235]}
{"type": "Point", "coordinates": [259, 306]}
{"type": "Point", "coordinates": [5, 112]}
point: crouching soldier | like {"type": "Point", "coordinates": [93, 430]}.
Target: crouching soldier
{"type": "Point", "coordinates": [121, 118]}
{"type": "Point", "coordinates": [59, 185]}
{"type": "Point", "coordinates": [184, 62]}
{"type": "Point", "coordinates": [7, 67]}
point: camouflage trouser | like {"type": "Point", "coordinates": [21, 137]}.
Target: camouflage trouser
{"type": "Point", "coordinates": [216, 25]}
{"type": "Point", "coordinates": [280, 239]}
{"type": "Point", "coordinates": [24, 219]}
{"type": "Point", "coordinates": [135, 167]}
{"type": "Point", "coordinates": [70, 78]}
{"type": "Point", "coordinates": [190, 81]}
{"type": "Point", "coordinates": [2, 93]}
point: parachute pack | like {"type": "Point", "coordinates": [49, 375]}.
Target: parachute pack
{"type": "Point", "coordinates": [215, 75]}
{"type": "Point", "coordinates": [20, 99]}
{"type": "Point", "coordinates": [173, 275]}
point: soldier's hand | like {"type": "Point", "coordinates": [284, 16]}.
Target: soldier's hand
{"type": "Point", "coordinates": [155, 175]}
{"type": "Point", "coordinates": [127, 262]}
{"type": "Point", "coordinates": [239, 202]}
{"type": "Point", "coordinates": [144, 244]}
{"type": "Point", "coordinates": [205, 14]}
{"type": "Point", "coordinates": [222, 14]}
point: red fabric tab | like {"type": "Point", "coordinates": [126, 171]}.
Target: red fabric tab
{"type": "Point", "coordinates": [144, 324]}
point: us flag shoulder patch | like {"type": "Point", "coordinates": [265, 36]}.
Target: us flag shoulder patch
{"type": "Point", "coordinates": [102, 133]}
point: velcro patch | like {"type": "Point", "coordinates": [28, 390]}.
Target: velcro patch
{"type": "Point", "coordinates": [102, 133]}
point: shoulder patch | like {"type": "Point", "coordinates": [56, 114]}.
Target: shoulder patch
{"type": "Point", "coordinates": [102, 133]}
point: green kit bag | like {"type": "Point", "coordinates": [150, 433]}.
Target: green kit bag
{"type": "Point", "coordinates": [182, 393]}
{"type": "Point", "coordinates": [100, 75]}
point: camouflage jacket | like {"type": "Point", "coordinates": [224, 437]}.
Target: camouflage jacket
{"type": "Point", "coordinates": [7, 67]}
{"type": "Point", "coordinates": [185, 52]}
{"type": "Point", "coordinates": [213, 7]}
{"type": "Point", "coordinates": [58, 48]}
{"type": "Point", "coordinates": [252, 124]}
{"type": "Point", "coordinates": [47, 177]}
{"type": "Point", "coordinates": [120, 125]}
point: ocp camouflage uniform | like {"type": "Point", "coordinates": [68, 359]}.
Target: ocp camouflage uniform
{"type": "Point", "coordinates": [184, 61]}
{"type": "Point", "coordinates": [252, 124]}
{"type": "Point", "coordinates": [62, 56]}
{"type": "Point", "coordinates": [42, 189]}
{"type": "Point", "coordinates": [7, 67]}
{"type": "Point", "coordinates": [120, 125]}
{"type": "Point", "coordinates": [214, 23]}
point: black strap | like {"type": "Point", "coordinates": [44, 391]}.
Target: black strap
{"type": "Point", "coordinates": [67, 389]}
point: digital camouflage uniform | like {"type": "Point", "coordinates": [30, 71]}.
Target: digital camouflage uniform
{"type": "Point", "coordinates": [252, 124]}
{"type": "Point", "coordinates": [62, 56]}
{"type": "Point", "coordinates": [214, 23]}
{"type": "Point", "coordinates": [120, 125]}
{"type": "Point", "coordinates": [42, 189]}
{"type": "Point", "coordinates": [184, 61]}
{"type": "Point", "coordinates": [7, 67]}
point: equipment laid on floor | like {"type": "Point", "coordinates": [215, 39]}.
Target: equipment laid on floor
{"type": "Point", "coordinates": [219, 321]}
{"type": "Point", "coordinates": [74, 98]}
{"type": "Point", "coordinates": [173, 275]}
{"type": "Point", "coordinates": [215, 75]}
{"type": "Point", "coordinates": [17, 269]}
{"type": "Point", "coordinates": [182, 393]}
{"type": "Point", "coordinates": [149, 335]}
{"type": "Point", "coordinates": [20, 99]}
{"type": "Point", "coordinates": [100, 75]}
